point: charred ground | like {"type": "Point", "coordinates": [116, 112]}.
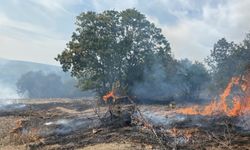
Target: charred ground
{"type": "Point", "coordinates": [73, 124]}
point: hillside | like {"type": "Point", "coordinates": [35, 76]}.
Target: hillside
{"type": "Point", "coordinates": [11, 70]}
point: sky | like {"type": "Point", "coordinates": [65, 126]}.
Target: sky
{"type": "Point", "coordinates": [38, 30]}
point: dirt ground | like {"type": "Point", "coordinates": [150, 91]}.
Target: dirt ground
{"type": "Point", "coordinates": [72, 124]}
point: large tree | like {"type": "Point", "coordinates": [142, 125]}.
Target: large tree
{"type": "Point", "coordinates": [111, 46]}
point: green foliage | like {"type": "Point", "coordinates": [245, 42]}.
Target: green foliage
{"type": "Point", "coordinates": [228, 59]}
{"type": "Point", "coordinates": [191, 78]}
{"type": "Point", "coordinates": [111, 46]}
{"type": "Point", "coordinates": [40, 85]}
{"type": "Point", "coordinates": [183, 81]}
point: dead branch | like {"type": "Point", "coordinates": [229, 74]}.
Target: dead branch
{"type": "Point", "coordinates": [146, 123]}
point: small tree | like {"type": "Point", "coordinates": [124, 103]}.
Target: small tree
{"type": "Point", "coordinates": [191, 78]}
{"type": "Point", "coordinates": [113, 46]}
{"type": "Point", "coordinates": [228, 59]}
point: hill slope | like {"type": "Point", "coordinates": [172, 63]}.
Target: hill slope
{"type": "Point", "coordinates": [12, 70]}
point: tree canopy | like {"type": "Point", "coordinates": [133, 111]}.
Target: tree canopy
{"type": "Point", "coordinates": [191, 78]}
{"type": "Point", "coordinates": [40, 85]}
{"type": "Point", "coordinates": [111, 46]}
{"type": "Point", "coordinates": [228, 59]}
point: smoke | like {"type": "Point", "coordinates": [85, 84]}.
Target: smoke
{"type": "Point", "coordinates": [159, 119]}
{"type": "Point", "coordinates": [184, 81]}
{"type": "Point", "coordinates": [155, 85]}
{"type": "Point", "coordinates": [8, 94]}
{"type": "Point", "coordinates": [65, 126]}
{"type": "Point", "coordinates": [244, 121]}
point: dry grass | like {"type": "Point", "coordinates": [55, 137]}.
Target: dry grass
{"type": "Point", "coordinates": [117, 146]}
{"type": "Point", "coordinates": [21, 135]}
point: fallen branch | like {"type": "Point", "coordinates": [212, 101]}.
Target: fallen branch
{"type": "Point", "coordinates": [146, 123]}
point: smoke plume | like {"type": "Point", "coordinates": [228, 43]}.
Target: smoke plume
{"type": "Point", "coordinates": [8, 94]}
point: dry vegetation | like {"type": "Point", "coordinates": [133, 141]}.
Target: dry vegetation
{"type": "Point", "coordinates": [73, 124]}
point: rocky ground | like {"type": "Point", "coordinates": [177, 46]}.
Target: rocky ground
{"type": "Point", "coordinates": [73, 124]}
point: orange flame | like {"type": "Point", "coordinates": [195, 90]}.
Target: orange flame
{"type": "Point", "coordinates": [108, 96]}
{"type": "Point", "coordinates": [240, 104]}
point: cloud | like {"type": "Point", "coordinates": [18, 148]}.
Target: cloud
{"type": "Point", "coordinates": [43, 50]}
{"type": "Point", "coordinates": [113, 4]}
{"type": "Point", "coordinates": [193, 37]}
{"type": "Point", "coordinates": [6, 22]}
{"type": "Point", "coordinates": [26, 41]}
{"type": "Point", "coordinates": [32, 40]}
{"type": "Point", "coordinates": [57, 7]}
{"type": "Point", "coordinates": [32, 28]}
{"type": "Point", "coordinates": [192, 27]}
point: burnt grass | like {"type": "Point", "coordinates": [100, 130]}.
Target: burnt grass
{"type": "Point", "coordinates": [72, 124]}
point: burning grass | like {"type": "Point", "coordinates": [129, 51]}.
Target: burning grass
{"type": "Point", "coordinates": [240, 106]}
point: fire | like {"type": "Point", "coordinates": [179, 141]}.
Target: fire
{"type": "Point", "coordinates": [108, 96]}
{"type": "Point", "coordinates": [240, 104]}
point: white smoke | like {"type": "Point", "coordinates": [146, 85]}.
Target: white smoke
{"type": "Point", "coordinates": [244, 121]}
{"type": "Point", "coordinates": [8, 95]}
{"type": "Point", "coordinates": [163, 120]}
{"type": "Point", "coordinates": [65, 126]}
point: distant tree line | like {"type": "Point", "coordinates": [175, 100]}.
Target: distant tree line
{"type": "Point", "coordinates": [40, 85]}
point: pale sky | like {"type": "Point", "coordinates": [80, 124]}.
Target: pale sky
{"type": "Point", "coordinates": [37, 30]}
